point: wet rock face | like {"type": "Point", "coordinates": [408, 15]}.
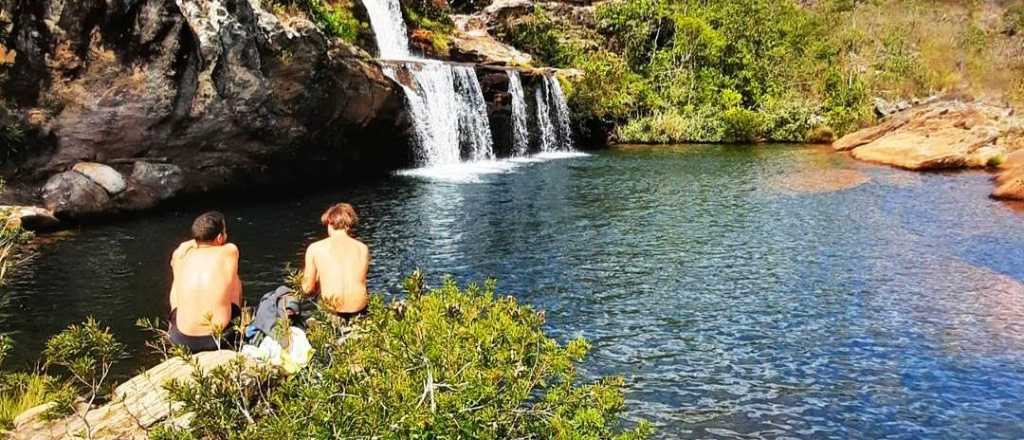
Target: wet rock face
{"type": "Point", "coordinates": [220, 89]}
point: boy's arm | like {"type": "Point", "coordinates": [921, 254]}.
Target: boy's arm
{"type": "Point", "coordinates": [236, 283]}
{"type": "Point", "coordinates": [309, 274]}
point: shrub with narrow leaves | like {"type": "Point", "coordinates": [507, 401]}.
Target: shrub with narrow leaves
{"type": "Point", "coordinates": [445, 363]}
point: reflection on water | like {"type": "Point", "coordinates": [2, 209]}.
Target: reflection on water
{"type": "Point", "coordinates": [734, 306]}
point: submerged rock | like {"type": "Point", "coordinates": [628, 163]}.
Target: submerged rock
{"type": "Point", "coordinates": [820, 181]}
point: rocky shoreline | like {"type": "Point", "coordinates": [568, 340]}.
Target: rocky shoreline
{"type": "Point", "coordinates": [947, 134]}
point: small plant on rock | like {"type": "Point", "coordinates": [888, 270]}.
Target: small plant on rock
{"type": "Point", "coordinates": [86, 352]}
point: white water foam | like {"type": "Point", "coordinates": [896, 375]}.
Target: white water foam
{"type": "Point", "coordinates": [520, 130]}
{"type": "Point", "coordinates": [474, 172]}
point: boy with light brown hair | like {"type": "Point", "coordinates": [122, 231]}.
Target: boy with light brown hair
{"type": "Point", "coordinates": [336, 266]}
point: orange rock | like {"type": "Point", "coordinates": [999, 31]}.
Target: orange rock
{"type": "Point", "coordinates": [1010, 184]}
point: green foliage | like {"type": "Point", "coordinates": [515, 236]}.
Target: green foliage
{"type": "Point", "coordinates": [86, 352]}
{"type": "Point", "coordinates": [12, 134]}
{"type": "Point", "coordinates": [436, 26]}
{"type": "Point", "coordinates": [334, 17]}
{"type": "Point", "coordinates": [23, 391]}
{"type": "Point", "coordinates": [695, 70]}
{"type": "Point", "coordinates": [742, 125]}
{"type": "Point", "coordinates": [443, 363]}
{"type": "Point", "coordinates": [12, 236]}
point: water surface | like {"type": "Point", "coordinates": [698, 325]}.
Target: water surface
{"type": "Point", "coordinates": [734, 305]}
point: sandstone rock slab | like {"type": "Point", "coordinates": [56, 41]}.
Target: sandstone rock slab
{"type": "Point", "coordinates": [136, 405]}
{"type": "Point", "coordinates": [72, 195]}
{"type": "Point", "coordinates": [103, 175]}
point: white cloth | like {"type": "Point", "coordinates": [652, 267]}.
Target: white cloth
{"type": "Point", "coordinates": [291, 360]}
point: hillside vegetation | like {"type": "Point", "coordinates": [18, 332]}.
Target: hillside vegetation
{"type": "Point", "coordinates": [741, 70]}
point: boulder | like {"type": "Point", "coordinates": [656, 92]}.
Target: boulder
{"type": "Point", "coordinates": [472, 43]}
{"type": "Point", "coordinates": [135, 406]}
{"type": "Point", "coordinates": [72, 195]}
{"type": "Point", "coordinates": [103, 175]}
{"type": "Point", "coordinates": [165, 180]}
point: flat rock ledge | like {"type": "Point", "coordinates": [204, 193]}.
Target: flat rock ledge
{"type": "Point", "coordinates": [136, 406]}
{"type": "Point", "coordinates": [947, 135]}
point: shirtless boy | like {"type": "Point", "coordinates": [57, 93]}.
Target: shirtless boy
{"type": "Point", "coordinates": [337, 265]}
{"type": "Point", "coordinates": [206, 291]}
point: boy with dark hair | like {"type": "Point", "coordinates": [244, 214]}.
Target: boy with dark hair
{"type": "Point", "coordinates": [206, 292]}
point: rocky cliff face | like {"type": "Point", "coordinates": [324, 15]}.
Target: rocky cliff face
{"type": "Point", "coordinates": [187, 96]}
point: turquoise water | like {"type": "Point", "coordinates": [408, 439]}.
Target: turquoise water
{"type": "Point", "coordinates": [735, 304]}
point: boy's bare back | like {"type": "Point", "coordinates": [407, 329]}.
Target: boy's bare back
{"type": "Point", "coordinates": [205, 286]}
{"type": "Point", "coordinates": [338, 265]}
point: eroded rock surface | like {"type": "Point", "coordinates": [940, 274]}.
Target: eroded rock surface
{"type": "Point", "coordinates": [136, 406]}
{"type": "Point", "coordinates": [223, 90]}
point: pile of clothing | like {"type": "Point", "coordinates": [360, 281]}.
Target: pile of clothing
{"type": "Point", "coordinates": [276, 334]}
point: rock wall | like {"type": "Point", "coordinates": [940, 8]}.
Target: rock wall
{"type": "Point", "coordinates": [187, 96]}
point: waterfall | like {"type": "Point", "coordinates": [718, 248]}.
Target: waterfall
{"type": "Point", "coordinates": [474, 128]}
{"type": "Point", "coordinates": [520, 131]}
{"type": "Point", "coordinates": [435, 109]}
{"type": "Point", "coordinates": [546, 129]}
{"type": "Point", "coordinates": [389, 28]}
{"type": "Point", "coordinates": [561, 114]}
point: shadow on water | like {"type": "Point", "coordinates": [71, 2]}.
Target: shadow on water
{"type": "Point", "coordinates": [736, 302]}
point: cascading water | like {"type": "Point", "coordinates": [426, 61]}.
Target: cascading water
{"type": "Point", "coordinates": [435, 109]}
{"type": "Point", "coordinates": [389, 28]}
{"type": "Point", "coordinates": [446, 103]}
{"type": "Point", "coordinates": [520, 131]}
{"type": "Point", "coordinates": [474, 128]}
{"type": "Point", "coordinates": [561, 113]}
{"type": "Point", "coordinates": [548, 139]}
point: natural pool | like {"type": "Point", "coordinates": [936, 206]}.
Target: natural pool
{"type": "Point", "coordinates": [735, 302]}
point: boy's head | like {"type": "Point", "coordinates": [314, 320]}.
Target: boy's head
{"type": "Point", "coordinates": [210, 227]}
{"type": "Point", "coordinates": [340, 217]}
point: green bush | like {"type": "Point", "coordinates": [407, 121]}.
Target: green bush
{"type": "Point", "coordinates": [742, 125]}
{"type": "Point", "coordinates": [444, 363]}
{"type": "Point", "coordinates": [333, 17]}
